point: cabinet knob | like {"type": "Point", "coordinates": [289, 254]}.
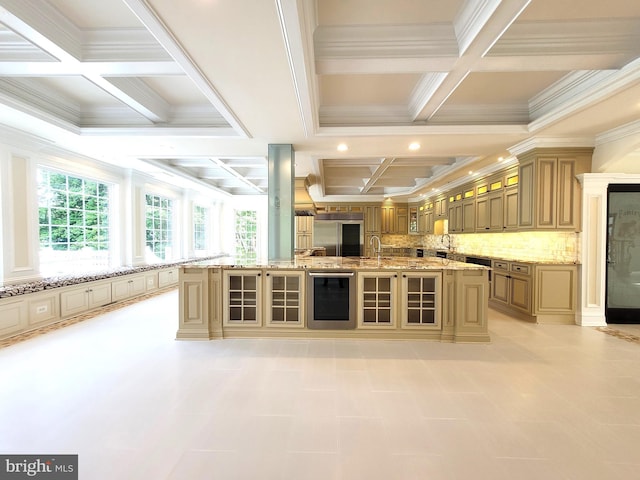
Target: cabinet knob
{"type": "Point", "coordinates": [259, 274]}
{"type": "Point", "coordinates": [404, 276]}
{"type": "Point", "coordinates": [268, 274]}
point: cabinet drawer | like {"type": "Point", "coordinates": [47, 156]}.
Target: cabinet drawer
{"type": "Point", "coordinates": [499, 265]}
{"type": "Point", "coordinates": [520, 268]}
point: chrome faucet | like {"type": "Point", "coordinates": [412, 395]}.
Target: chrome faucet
{"type": "Point", "coordinates": [448, 237]}
{"type": "Point", "coordinates": [375, 237]}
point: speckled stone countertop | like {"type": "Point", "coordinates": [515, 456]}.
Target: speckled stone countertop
{"type": "Point", "coordinates": [67, 280]}
{"type": "Point", "coordinates": [346, 263]}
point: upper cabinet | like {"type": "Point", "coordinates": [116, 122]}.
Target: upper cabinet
{"type": "Point", "coordinates": [549, 192]}
{"type": "Point", "coordinates": [395, 219]}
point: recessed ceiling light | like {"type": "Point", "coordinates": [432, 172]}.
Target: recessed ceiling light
{"type": "Point", "coordinates": [414, 146]}
{"type": "Point", "coordinates": [470, 172]}
{"type": "Point", "coordinates": [500, 159]}
{"type": "Point", "coordinates": [343, 147]}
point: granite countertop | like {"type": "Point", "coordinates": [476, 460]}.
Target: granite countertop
{"type": "Point", "coordinates": [348, 263]}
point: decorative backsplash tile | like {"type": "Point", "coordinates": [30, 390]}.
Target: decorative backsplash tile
{"type": "Point", "coordinates": [526, 246]}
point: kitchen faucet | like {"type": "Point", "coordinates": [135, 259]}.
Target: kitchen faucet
{"type": "Point", "coordinates": [375, 237]}
{"type": "Point", "coordinates": [448, 237]}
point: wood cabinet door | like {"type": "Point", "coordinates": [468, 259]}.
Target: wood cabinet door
{"type": "Point", "coordinates": [468, 211]}
{"type": "Point", "coordinates": [567, 201]}
{"type": "Point", "coordinates": [500, 287]}
{"type": "Point", "coordinates": [511, 209]}
{"type": "Point", "coordinates": [496, 212]}
{"type": "Point", "coordinates": [520, 293]}
{"type": "Point", "coordinates": [526, 194]}
{"type": "Point", "coordinates": [482, 214]}
{"type": "Point", "coordinates": [546, 193]}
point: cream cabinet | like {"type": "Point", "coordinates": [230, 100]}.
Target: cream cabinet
{"type": "Point", "coordinates": [285, 298]}
{"type": "Point", "coordinates": [549, 192]}
{"type": "Point", "coordinates": [440, 207]}
{"type": "Point", "coordinates": [13, 317]}
{"type": "Point", "coordinates": [372, 219]}
{"type": "Point", "coordinates": [511, 285]}
{"type": "Point", "coordinates": [420, 300]}
{"type": "Point", "coordinates": [242, 301]}
{"type": "Point", "coordinates": [166, 278]}
{"type": "Point", "coordinates": [304, 232]}
{"type": "Point", "coordinates": [510, 203]}
{"type": "Point", "coordinates": [131, 286]}
{"type": "Point", "coordinates": [395, 219]}
{"type": "Point", "coordinates": [44, 307]}
{"type": "Point", "coordinates": [537, 292]}
{"type": "Point", "coordinates": [377, 299]}
{"type": "Point", "coordinates": [86, 297]}
{"type": "Point", "coordinates": [402, 220]}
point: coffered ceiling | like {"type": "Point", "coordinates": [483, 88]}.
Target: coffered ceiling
{"type": "Point", "coordinates": [199, 88]}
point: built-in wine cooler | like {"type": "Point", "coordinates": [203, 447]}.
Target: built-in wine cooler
{"type": "Point", "coordinates": [623, 254]}
{"type": "Point", "coordinates": [331, 299]}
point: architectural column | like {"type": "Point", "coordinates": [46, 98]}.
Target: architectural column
{"type": "Point", "coordinates": [134, 206]}
{"type": "Point", "coordinates": [20, 236]}
{"type": "Point", "coordinates": [280, 215]}
{"type": "Point", "coordinates": [593, 254]}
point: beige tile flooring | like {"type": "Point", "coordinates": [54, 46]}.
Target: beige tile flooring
{"type": "Point", "coordinates": [540, 402]}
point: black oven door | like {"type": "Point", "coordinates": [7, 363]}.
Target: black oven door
{"type": "Point", "coordinates": [331, 300]}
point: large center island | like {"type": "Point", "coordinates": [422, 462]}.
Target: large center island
{"type": "Point", "coordinates": [335, 297]}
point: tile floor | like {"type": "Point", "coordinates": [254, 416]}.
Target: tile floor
{"type": "Point", "coordinates": [539, 402]}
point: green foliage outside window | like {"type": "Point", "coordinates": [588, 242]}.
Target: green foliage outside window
{"type": "Point", "coordinates": [246, 235]}
{"type": "Point", "coordinates": [73, 213]}
{"type": "Point", "coordinates": [158, 223]}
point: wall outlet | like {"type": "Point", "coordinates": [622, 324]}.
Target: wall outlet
{"type": "Point", "coordinates": [42, 309]}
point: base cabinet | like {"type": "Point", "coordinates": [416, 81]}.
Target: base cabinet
{"type": "Point", "coordinates": [81, 299]}
{"type": "Point", "coordinates": [539, 293]}
{"type": "Point", "coordinates": [285, 299]}
{"type": "Point", "coordinates": [129, 287]}
{"type": "Point", "coordinates": [242, 302]}
{"type": "Point", "coordinates": [421, 298]}
{"type": "Point", "coordinates": [377, 299]}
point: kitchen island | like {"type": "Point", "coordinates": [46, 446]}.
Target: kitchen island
{"type": "Point", "coordinates": [335, 297]}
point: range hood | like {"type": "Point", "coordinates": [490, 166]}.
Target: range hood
{"type": "Point", "coordinates": [303, 205]}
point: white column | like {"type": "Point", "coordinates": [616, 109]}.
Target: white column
{"type": "Point", "coordinates": [20, 237]}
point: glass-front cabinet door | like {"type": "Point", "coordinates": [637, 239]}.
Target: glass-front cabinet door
{"type": "Point", "coordinates": [376, 299]}
{"type": "Point", "coordinates": [242, 298]}
{"type": "Point", "coordinates": [285, 298]}
{"type": "Point", "coordinates": [421, 294]}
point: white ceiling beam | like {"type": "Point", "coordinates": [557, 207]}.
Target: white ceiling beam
{"type": "Point", "coordinates": [476, 40]}
{"type": "Point", "coordinates": [378, 172]}
{"type": "Point", "coordinates": [220, 163]}
{"type": "Point", "coordinates": [164, 36]}
{"type": "Point", "coordinates": [120, 69]}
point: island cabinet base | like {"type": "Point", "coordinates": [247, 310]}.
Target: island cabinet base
{"type": "Point", "coordinates": [447, 305]}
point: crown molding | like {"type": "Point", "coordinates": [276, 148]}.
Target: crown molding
{"type": "Point", "coordinates": [551, 142]}
{"type": "Point", "coordinates": [385, 41]}
{"type": "Point", "coordinates": [471, 19]}
{"type": "Point", "coordinates": [118, 44]}
{"type": "Point", "coordinates": [422, 129]}
{"type": "Point", "coordinates": [426, 87]}
{"type": "Point", "coordinates": [618, 133]}
{"type": "Point", "coordinates": [580, 37]}
{"type": "Point", "coordinates": [594, 88]}
{"type": "Point", "coordinates": [481, 114]}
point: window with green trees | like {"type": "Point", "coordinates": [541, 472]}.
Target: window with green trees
{"type": "Point", "coordinates": [159, 226]}
{"type": "Point", "coordinates": [200, 228]}
{"type": "Point", "coordinates": [246, 235]}
{"type": "Point", "coordinates": [74, 223]}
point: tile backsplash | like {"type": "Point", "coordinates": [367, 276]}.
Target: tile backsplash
{"type": "Point", "coordinates": [525, 246]}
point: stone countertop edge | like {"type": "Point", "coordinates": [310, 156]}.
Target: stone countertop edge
{"type": "Point", "coordinates": [345, 263]}
{"type": "Point", "coordinates": [13, 290]}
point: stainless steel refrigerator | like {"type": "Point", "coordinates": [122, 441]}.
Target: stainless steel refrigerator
{"type": "Point", "coordinates": [340, 238]}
